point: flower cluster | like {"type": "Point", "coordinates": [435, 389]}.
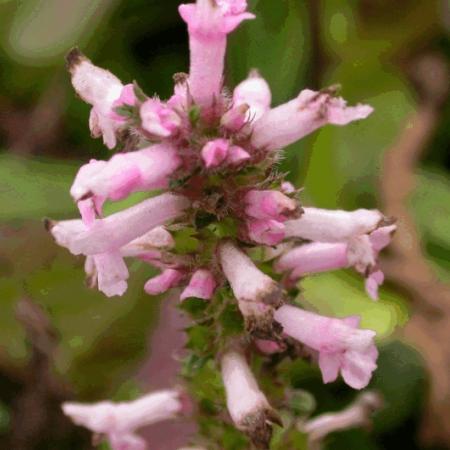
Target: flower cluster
{"type": "Point", "coordinates": [209, 159]}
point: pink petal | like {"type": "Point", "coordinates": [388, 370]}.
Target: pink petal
{"type": "Point", "coordinates": [329, 364]}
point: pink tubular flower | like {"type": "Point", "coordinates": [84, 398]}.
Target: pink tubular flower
{"type": "Point", "coordinates": [168, 279]}
{"type": "Point", "coordinates": [215, 152]}
{"type": "Point", "coordinates": [360, 252]}
{"type": "Point", "coordinates": [201, 285]}
{"type": "Point", "coordinates": [125, 173]}
{"type": "Point", "coordinates": [209, 22]}
{"type": "Point", "coordinates": [101, 89]}
{"type": "Point", "coordinates": [247, 405]}
{"type": "Point", "coordinates": [118, 422]}
{"type": "Point", "coordinates": [322, 225]}
{"type": "Point", "coordinates": [254, 92]}
{"type": "Point", "coordinates": [266, 231]}
{"type": "Point", "coordinates": [291, 121]}
{"type": "Point", "coordinates": [120, 228]}
{"type": "Point", "coordinates": [355, 415]}
{"type": "Point", "coordinates": [248, 283]}
{"type": "Point", "coordinates": [269, 205]}
{"type": "Point", "coordinates": [342, 346]}
{"type": "Point", "coordinates": [159, 119]}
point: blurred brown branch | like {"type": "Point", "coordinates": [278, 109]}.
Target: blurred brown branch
{"type": "Point", "coordinates": [36, 413]}
{"type": "Point", "coordinates": [407, 265]}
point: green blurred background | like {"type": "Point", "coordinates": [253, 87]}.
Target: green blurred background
{"type": "Point", "coordinates": [392, 55]}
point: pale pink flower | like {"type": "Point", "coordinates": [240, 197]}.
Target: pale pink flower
{"type": "Point", "coordinates": [246, 403]}
{"type": "Point", "coordinates": [159, 119]}
{"type": "Point", "coordinates": [360, 252]}
{"type": "Point", "coordinates": [355, 415]}
{"type": "Point", "coordinates": [323, 225]}
{"type": "Point", "coordinates": [269, 205]}
{"type": "Point", "coordinates": [266, 231]}
{"type": "Point", "coordinates": [342, 346]}
{"type": "Point", "coordinates": [117, 230]}
{"type": "Point", "coordinates": [311, 110]}
{"type": "Point", "coordinates": [209, 22]}
{"type": "Point", "coordinates": [254, 93]}
{"type": "Point", "coordinates": [201, 285]}
{"type": "Point", "coordinates": [125, 173]}
{"type": "Point", "coordinates": [118, 422]}
{"type": "Point", "coordinates": [101, 89]}
{"type": "Point", "coordinates": [166, 280]}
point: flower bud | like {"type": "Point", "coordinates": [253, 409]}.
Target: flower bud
{"type": "Point", "coordinates": [158, 119]}
{"type": "Point", "coordinates": [201, 285]}
{"type": "Point", "coordinates": [269, 205]}
{"type": "Point", "coordinates": [168, 279]}
{"type": "Point", "coordinates": [248, 283]}
{"type": "Point", "coordinates": [255, 93]}
{"type": "Point", "coordinates": [215, 152]}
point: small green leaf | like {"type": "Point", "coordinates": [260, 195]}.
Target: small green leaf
{"type": "Point", "coordinates": [231, 320]}
{"type": "Point", "coordinates": [184, 242]}
{"type": "Point", "coordinates": [224, 229]}
{"type": "Point", "coordinates": [194, 306]}
{"type": "Point", "coordinates": [200, 338]}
